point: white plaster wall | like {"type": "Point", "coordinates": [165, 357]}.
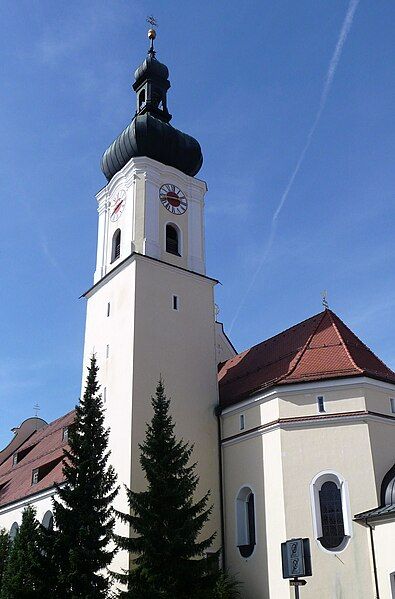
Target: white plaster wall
{"type": "Point", "coordinates": [115, 372]}
{"type": "Point", "coordinates": [384, 543]}
{"type": "Point", "coordinates": [344, 449]}
{"type": "Point", "coordinates": [146, 339]}
{"type": "Point", "coordinates": [13, 513]}
{"type": "Point", "coordinates": [243, 466]}
{"type": "Point", "coordinates": [142, 222]}
{"type": "Point", "coordinates": [178, 345]}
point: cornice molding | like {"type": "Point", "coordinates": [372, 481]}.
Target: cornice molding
{"type": "Point", "coordinates": [303, 422]}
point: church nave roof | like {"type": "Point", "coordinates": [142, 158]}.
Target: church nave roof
{"type": "Point", "coordinates": [319, 348]}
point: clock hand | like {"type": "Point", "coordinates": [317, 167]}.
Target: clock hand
{"type": "Point", "coordinates": [117, 207]}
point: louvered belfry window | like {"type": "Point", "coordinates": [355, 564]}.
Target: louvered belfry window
{"type": "Point", "coordinates": [116, 245]}
{"type": "Point", "coordinates": [172, 241]}
{"type": "Point", "coordinates": [332, 520]}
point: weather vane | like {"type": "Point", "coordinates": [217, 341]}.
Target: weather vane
{"type": "Point", "coordinates": [36, 408]}
{"type": "Point", "coordinates": [152, 21]}
{"type": "Point", "coordinates": [152, 33]}
{"type": "Point", "coordinates": [325, 302]}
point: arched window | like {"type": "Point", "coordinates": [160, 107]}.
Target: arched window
{"type": "Point", "coordinates": [116, 245]}
{"type": "Point", "coordinates": [48, 520]}
{"type": "Point", "coordinates": [172, 240]}
{"type": "Point", "coordinates": [141, 99]}
{"type": "Point", "coordinates": [14, 531]}
{"type": "Point", "coordinates": [245, 521]}
{"type": "Point", "coordinates": [331, 513]}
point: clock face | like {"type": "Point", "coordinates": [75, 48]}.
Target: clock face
{"type": "Point", "coordinates": [173, 199]}
{"type": "Point", "coordinates": [117, 205]}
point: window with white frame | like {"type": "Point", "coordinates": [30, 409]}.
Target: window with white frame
{"type": "Point", "coordinates": [245, 521]}
{"type": "Point", "coordinates": [48, 520]}
{"type": "Point", "coordinates": [392, 404]}
{"type": "Point", "coordinates": [331, 511]}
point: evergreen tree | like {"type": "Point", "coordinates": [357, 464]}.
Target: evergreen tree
{"type": "Point", "coordinates": [170, 560]}
{"type": "Point", "coordinates": [23, 578]}
{"type": "Point", "coordinates": [5, 546]}
{"type": "Point", "coordinates": [83, 515]}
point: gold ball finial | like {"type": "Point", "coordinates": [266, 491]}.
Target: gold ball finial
{"type": "Point", "coordinates": [151, 34]}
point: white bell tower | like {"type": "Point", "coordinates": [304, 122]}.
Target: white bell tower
{"type": "Point", "coordinates": [150, 312]}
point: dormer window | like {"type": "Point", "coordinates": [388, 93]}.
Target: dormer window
{"type": "Point", "coordinates": [35, 476]}
{"type": "Point", "coordinates": [172, 240]}
{"type": "Point", "coordinates": [19, 455]}
{"type": "Point", "coordinates": [116, 245]}
{"type": "Point", "coordinates": [42, 471]}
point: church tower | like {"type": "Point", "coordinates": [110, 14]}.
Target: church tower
{"type": "Point", "coordinates": [150, 312]}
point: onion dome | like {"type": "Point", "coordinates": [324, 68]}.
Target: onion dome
{"type": "Point", "coordinates": [150, 133]}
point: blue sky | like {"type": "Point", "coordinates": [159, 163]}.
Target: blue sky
{"type": "Point", "coordinates": [247, 79]}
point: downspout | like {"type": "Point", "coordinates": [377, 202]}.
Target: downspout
{"type": "Point", "coordinates": [221, 488]}
{"type": "Point", "coordinates": [374, 559]}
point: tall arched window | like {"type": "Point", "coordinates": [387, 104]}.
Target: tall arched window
{"type": "Point", "coordinates": [48, 520]}
{"type": "Point", "coordinates": [331, 512]}
{"type": "Point", "coordinates": [141, 99]}
{"type": "Point", "coordinates": [14, 531]}
{"type": "Point", "coordinates": [245, 521]}
{"type": "Point", "coordinates": [116, 245]}
{"type": "Point", "coordinates": [172, 240]}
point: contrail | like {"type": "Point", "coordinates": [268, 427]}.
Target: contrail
{"type": "Point", "coordinates": [348, 20]}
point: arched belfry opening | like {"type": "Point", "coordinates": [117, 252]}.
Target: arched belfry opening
{"type": "Point", "coordinates": [116, 245]}
{"type": "Point", "coordinates": [173, 240]}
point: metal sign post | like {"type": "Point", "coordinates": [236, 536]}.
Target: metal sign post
{"type": "Point", "coordinates": [297, 583]}
{"type": "Point", "coordinates": [296, 561]}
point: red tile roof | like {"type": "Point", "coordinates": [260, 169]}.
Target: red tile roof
{"type": "Point", "coordinates": [319, 348]}
{"type": "Point", "coordinates": [47, 446]}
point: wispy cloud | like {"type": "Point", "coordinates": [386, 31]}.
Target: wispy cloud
{"type": "Point", "coordinates": [333, 64]}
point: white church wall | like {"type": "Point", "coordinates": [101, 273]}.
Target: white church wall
{"type": "Point", "coordinates": [357, 446]}
{"type": "Point", "coordinates": [143, 219]}
{"type": "Point", "coordinates": [111, 339]}
{"type": "Point", "coordinates": [224, 350]}
{"type": "Point", "coordinates": [178, 345]}
{"type": "Point", "coordinates": [142, 339]}
{"type": "Point", "coordinates": [384, 544]}
{"type": "Point", "coordinates": [343, 449]}
{"type": "Point", "coordinates": [242, 467]}
{"type": "Point", "coordinates": [382, 445]}
{"type": "Point", "coordinates": [13, 512]}
{"type": "Point", "coordinates": [293, 403]}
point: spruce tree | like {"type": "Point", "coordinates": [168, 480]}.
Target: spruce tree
{"type": "Point", "coordinates": [5, 546]}
{"type": "Point", "coordinates": [83, 514]}
{"type": "Point", "coordinates": [23, 578]}
{"type": "Point", "coordinates": [169, 558]}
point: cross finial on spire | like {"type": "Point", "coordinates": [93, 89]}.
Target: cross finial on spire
{"type": "Point", "coordinates": [152, 33]}
{"type": "Point", "coordinates": [325, 303]}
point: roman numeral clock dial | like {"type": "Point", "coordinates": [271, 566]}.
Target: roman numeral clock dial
{"type": "Point", "coordinates": [117, 205]}
{"type": "Point", "coordinates": [173, 199]}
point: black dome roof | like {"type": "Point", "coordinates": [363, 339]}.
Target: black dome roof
{"type": "Point", "coordinates": [151, 68]}
{"type": "Point", "coordinates": [150, 134]}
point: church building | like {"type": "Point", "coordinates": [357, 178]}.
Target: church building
{"type": "Point", "coordinates": [295, 437]}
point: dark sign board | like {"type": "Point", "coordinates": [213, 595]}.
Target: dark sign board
{"type": "Point", "coordinates": [296, 558]}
